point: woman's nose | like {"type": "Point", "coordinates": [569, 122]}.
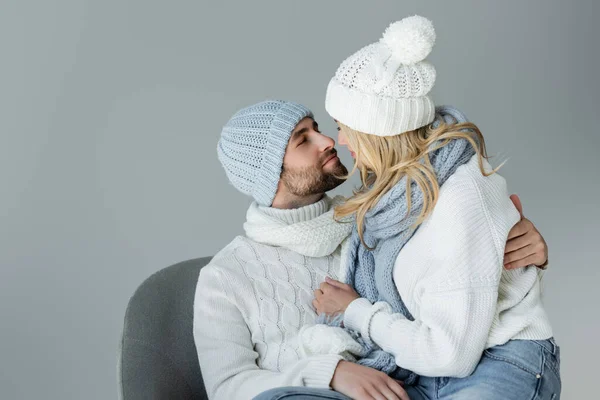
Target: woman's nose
{"type": "Point", "coordinates": [342, 139]}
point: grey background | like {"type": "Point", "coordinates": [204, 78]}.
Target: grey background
{"type": "Point", "coordinates": [110, 113]}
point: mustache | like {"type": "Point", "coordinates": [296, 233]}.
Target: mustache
{"type": "Point", "coordinates": [332, 152]}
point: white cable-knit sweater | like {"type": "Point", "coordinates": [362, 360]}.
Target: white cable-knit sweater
{"type": "Point", "coordinates": [450, 275]}
{"type": "Point", "coordinates": [256, 294]}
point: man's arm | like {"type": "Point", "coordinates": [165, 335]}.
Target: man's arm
{"type": "Point", "coordinates": [226, 353]}
{"type": "Point", "coordinates": [525, 245]}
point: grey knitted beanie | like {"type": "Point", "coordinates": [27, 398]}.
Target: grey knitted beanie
{"type": "Point", "coordinates": [253, 143]}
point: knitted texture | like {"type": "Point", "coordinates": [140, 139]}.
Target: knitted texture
{"type": "Point", "coordinates": [251, 301]}
{"type": "Point", "coordinates": [388, 227]}
{"type": "Point", "coordinates": [321, 339]}
{"type": "Point", "coordinates": [382, 89]}
{"type": "Point", "coordinates": [253, 143]}
{"type": "Point", "coordinates": [318, 236]}
{"type": "Point", "coordinates": [450, 276]}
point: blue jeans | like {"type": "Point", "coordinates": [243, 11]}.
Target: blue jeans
{"type": "Point", "coordinates": [300, 393]}
{"type": "Point", "coordinates": [519, 370]}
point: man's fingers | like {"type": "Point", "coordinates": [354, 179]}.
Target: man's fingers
{"type": "Point", "coordinates": [517, 243]}
{"type": "Point", "coordinates": [520, 228]}
{"type": "Point", "coordinates": [516, 231]}
{"type": "Point", "coordinates": [318, 293]}
{"type": "Point", "coordinates": [388, 393]}
{"type": "Point", "coordinates": [518, 254]}
{"type": "Point", "coordinates": [396, 387]}
{"type": "Point", "coordinates": [376, 394]}
{"type": "Point", "coordinates": [524, 262]}
{"type": "Point", "coordinates": [363, 394]}
{"type": "Point", "coordinates": [517, 202]}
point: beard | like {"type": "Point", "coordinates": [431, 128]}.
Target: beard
{"type": "Point", "coordinates": [312, 180]}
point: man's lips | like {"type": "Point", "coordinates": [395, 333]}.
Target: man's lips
{"type": "Point", "coordinates": [330, 158]}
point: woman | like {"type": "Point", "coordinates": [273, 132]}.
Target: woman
{"type": "Point", "coordinates": [426, 288]}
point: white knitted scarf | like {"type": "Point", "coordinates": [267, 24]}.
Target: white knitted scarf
{"type": "Point", "coordinates": [311, 232]}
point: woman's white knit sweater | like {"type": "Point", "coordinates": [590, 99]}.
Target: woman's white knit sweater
{"type": "Point", "coordinates": [450, 275]}
{"type": "Point", "coordinates": [255, 295]}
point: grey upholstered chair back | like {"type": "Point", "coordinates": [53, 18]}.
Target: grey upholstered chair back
{"type": "Point", "coordinates": [157, 357]}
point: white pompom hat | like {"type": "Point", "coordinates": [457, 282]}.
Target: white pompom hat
{"type": "Point", "coordinates": [382, 89]}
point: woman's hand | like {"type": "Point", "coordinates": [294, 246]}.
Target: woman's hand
{"type": "Point", "coordinates": [333, 297]}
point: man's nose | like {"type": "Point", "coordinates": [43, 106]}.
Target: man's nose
{"type": "Point", "coordinates": [325, 142]}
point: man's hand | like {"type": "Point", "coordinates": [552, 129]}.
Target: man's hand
{"type": "Point", "coordinates": [525, 245]}
{"type": "Point", "coordinates": [333, 297]}
{"type": "Point", "coordinates": [364, 383]}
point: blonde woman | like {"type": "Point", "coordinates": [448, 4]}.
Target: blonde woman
{"type": "Point", "coordinates": [426, 288]}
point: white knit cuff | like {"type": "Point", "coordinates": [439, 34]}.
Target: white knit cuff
{"type": "Point", "coordinates": [379, 327]}
{"type": "Point", "coordinates": [356, 313]}
{"type": "Point", "coordinates": [377, 115]}
{"type": "Point", "coordinates": [320, 370]}
{"type": "Point", "coordinates": [322, 339]}
{"type": "Point", "coordinates": [359, 314]}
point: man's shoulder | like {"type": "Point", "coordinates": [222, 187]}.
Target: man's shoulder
{"type": "Point", "coordinates": [227, 265]}
{"type": "Point", "coordinates": [240, 246]}
{"type": "Point", "coordinates": [234, 257]}
{"type": "Point", "coordinates": [237, 242]}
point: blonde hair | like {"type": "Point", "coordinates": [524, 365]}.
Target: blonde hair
{"type": "Point", "coordinates": [383, 161]}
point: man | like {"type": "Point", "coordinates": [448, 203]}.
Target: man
{"type": "Point", "coordinates": [256, 294]}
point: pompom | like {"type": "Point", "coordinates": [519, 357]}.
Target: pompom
{"type": "Point", "coordinates": [410, 40]}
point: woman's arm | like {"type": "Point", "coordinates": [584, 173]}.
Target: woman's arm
{"type": "Point", "coordinates": [457, 303]}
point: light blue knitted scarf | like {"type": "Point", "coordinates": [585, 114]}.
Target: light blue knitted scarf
{"type": "Point", "coordinates": [387, 228]}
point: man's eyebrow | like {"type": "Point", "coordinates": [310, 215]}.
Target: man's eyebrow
{"type": "Point", "coordinates": [296, 134]}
